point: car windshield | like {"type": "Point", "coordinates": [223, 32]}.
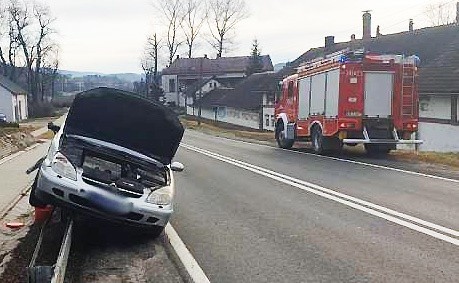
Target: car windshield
{"type": "Point", "coordinates": [229, 141]}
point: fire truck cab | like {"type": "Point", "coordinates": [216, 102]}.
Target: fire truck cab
{"type": "Point", "coordinates": [350, 97]}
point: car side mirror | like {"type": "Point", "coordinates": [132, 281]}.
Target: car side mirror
{"type": "Point", "coordinates": [177, 167]}
{"type": "Point", "coordinates": [53, 127]}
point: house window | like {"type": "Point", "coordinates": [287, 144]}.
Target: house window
{"type": "Point", "coordinates": [267, 120]}
{"type": "Point", "coordinates": [210, 85]}
{"type": "Point", "coordinates": [215, 85]}
{"type": "Point", "coordinates": [171, 85]}
{"type": "Point", "coordinates": [273, 121]}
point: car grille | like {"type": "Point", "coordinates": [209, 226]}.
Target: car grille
{"type": "Point", "coordinates": [113, 188]}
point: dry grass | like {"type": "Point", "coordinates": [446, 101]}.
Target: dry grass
{"type": "Point", "coordinates": [228, 130]}
{"type": "Point", "coordinates": [49, 135]}
{"type": "Point", "coordinates": [443, 158]}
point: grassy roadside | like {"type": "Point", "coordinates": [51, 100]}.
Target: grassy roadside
{"type": "Point", "coordinates": [234, 132]}
{"type": "Point", "coordinates": [228, 131]}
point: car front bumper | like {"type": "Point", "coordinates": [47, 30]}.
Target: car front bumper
{"type": "Point", "coordinates": [99, 202]}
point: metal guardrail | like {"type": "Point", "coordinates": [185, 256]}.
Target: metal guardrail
{"type": "Point", "coordinates": [62, 259]}
{"type": "Point", "coordinates": [56, 272]}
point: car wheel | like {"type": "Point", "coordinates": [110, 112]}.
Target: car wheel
{"type": "Point", "coordinates": [33, 199]}
{"type": "Point", "coordinates": [282, 142]}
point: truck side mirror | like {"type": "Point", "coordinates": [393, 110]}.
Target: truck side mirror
{"type": "Point", "coordinates": [53, 127]}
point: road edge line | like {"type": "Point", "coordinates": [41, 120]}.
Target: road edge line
{"type": "Point", "coordinates": [189, 262]}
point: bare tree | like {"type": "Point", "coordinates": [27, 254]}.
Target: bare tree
{"type": "Point", "coordinates": [440, 13]}
{"type": "Point", "coordinates": [149, 62]}
{"type": "Point", "coordinates": [224, 15]}
{"type": "Point", "coordinates": [19, 22]}
{"type": "Point", "coordinates": [44, 44]}
{"type": "Point", "coordinates": [172, 12]}
{"type": "Point", "coordinates": [30, 30]}
{"type": "Point", "coordinates": [195, 15]}
{"type": "Point", "coordinates": [3, 63]}
{"type": "Point", "coordinates": [153, 47]}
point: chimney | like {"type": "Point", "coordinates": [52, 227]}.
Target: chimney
{"type": "Point", "coordinates": [205, 56]}
{"type": "Point", "coordinates": [378, 31]}
{"type": "Point", "coordinates": [178, 56]}
{"type": "Point", "coordinates": [352, 37]}
{"type": "Point", "coordinates": [366, 24]}
{"type": "Point", "coordinates": [411, 25]}
{"type": "Point", "coordinates": [329, 42]}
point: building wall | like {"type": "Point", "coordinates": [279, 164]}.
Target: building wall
{"type": "Point", "coordinates": [269, 120]}
{"type": "Point", "coordinates": [439, 137]}
{"type": "Point", "coordinates": [6, 104]}
{"type": "Point", "coordinates": [20, 105]}
{"type": "Point", "coordinates": [240, 117]}
{"type": "Point", "coordinates": [246, 118]}
{"type": "Point", "coordinates": [438, 128]}
{"type": "Point", "coordinates": [170, 91]}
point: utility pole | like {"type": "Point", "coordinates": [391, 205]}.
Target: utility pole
{"type": "Point", "coordinates": [200, 91]}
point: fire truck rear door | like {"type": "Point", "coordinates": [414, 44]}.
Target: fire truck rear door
{"type": "Point", "coordinates": [378, 94]}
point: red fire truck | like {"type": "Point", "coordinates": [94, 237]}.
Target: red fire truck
{"type": "Point", "coordinates": [350, 97]}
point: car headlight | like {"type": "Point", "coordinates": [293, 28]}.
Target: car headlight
{"type": "Point", "coordinates": [62, 166]}
{"type": "Point", "coordinates": [162, 196]}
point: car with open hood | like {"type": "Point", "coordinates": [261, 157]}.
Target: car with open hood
{"type": "Point", "coordinates": [112, 158]}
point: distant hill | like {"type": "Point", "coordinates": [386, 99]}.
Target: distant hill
{"type": "Point", "coordinates": [75, 74]}
{"type": "Point", "coordinates": [129, 77]}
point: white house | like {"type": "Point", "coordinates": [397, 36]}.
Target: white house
{"type": "Point", "coordinates": [13, 100]}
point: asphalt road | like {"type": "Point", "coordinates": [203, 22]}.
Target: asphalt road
{"type": "Point", "coordinates": [251, 213]}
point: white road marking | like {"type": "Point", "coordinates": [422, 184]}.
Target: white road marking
{"type": "Point", "coordinates": [347, 160]}
{"type": "Point", "coordinates": [373, 209]}
{"type": "Point", "coordinates": [191, 265]}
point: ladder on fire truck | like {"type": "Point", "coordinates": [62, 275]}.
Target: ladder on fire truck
{"type": "Point", "coordinates": [408, 86]}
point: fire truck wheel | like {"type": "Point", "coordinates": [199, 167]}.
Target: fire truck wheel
{"type": "Point", "coordinates": [317, 140]}
{"type": "Point", "coordinates": [282, 142]}
{"type": "Point", "coordinates": [377, 149]}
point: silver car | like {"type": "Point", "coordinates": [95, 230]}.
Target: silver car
{"type": "Point", "coordinates": [112, 158]}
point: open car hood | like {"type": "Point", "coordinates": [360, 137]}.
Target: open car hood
{"type": "Point", "coordinates": [127, 120]}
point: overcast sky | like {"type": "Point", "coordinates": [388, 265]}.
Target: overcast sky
{"type": "Point", "coordinates": [109, 35]}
